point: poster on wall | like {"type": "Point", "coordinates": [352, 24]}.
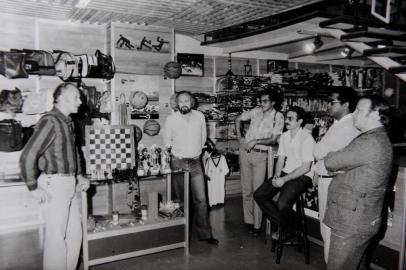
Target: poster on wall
{"type": "Point", "coordinates": [276, 65]}
{"type": "Point", "coordinates": [192, 64]}
{"type": "Point", "coordinates": [143, 41]}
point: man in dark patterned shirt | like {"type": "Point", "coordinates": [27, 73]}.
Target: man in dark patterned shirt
{"type": "Point", "coordinates": [356, 193]}
{"type": "Point", "coordinates": [50, 167]}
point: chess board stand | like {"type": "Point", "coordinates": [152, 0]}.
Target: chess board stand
{"type": "Point", "coordinates": [141, 239]}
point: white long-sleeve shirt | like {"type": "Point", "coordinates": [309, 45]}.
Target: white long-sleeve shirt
{"type": "Point", "coordinates": [339, 135]}
{"type": "Point", "coordinates": [185, 133]}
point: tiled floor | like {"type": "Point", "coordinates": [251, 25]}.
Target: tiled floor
{"type": "Point", "coordinates": [237, 250]}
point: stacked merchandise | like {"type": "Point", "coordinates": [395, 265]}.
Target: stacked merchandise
{"type": "Point", "coordinates": [336, 78]}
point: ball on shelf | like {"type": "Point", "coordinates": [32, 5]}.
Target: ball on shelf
{"type": "Point", "coordinates": [151, 127]}
{"type": "Point", "coordinates": [139, 100]}
{"type": "Point", "coordinates": [172, 70]}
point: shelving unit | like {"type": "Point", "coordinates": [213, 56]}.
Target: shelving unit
{"type": "Point", "coordinates": [139, 238]}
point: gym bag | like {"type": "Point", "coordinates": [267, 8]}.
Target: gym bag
{"type": "Point", "coordinates": [11, 101]}
{"type": "Point", "coordinates": [38, 62]}
{"type": "Point", "coordinates": [11, 134]}
{"type": "Point", "coordinates": [12, 65]}
{"type": "Point", "coordinates": [66, 65]}
{"type": "Point", "coordinates": [104, 67]}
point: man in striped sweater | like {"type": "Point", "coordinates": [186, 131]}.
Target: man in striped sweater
{"type": "Point", "coordinates": [50, 167]}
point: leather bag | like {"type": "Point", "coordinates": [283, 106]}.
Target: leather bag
{"type": "Point", "coordinates": [11, 134]}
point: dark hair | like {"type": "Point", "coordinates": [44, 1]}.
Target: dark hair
{"type": "Point", "coordinates": [380, 105]}
{"type": "Point", "coordinates": [192, 98]}
{"type": "Point", "coordinates": [59, 89]}
{"type": "Point", "coordinates": [347, 94]}
{"type": "Point", "coordinates": [273, 96]}
{"type": "Point", "coordinates": [301, 114]}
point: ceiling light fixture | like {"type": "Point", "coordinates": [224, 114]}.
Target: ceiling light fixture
{"type": "Point", "coordinates": [347, 52]}
{"type": "Point", "coordinates": [316, 44]}
{"type": "Point", "coordinates": [82, 3]}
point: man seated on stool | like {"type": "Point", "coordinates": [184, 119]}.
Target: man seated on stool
{"type": "Point", "coordinates": [292, 178]}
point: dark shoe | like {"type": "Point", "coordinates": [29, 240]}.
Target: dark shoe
{"type": "Point", "coordinates": [211, 241]}
{"type": "Point", "coordinates": [256, 232]}
{"type": "Point", "coordinates": [250, 228]}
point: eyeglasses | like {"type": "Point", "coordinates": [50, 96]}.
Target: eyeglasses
{"type": "Point", "coordinates": [333, 101]}
{"type": "Point", "coordinates": [265, 100]}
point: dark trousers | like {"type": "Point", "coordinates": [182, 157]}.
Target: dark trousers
{"type": "Point", "coordinates": [282, 208]}
{"type": "Point", "coordinates": [201, 221]}
{"type": "Point", "coordinates": [347, 250]}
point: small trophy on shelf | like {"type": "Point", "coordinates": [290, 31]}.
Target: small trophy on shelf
{"type": "Point", "coordinates": [155, 157]}
{"type": "Point", "coordinates": [166, 160]}
{"type": "Point", "coordinates": [142, 159]}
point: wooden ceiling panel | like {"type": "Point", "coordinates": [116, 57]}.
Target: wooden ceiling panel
{"type": "Point", "coordinates": [192, 17]}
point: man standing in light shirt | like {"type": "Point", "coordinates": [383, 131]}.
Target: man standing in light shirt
{"type": "Point", "coordinates": [265, 127]}
{"type": "Point", "coordinates": [185, 131]}
{"type": "Point", "coordinates": [343, 101]}
{"type": "Point", "coordinates": [293, 174]}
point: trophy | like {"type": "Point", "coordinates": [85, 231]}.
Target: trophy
{"type": "Point", "coordinates": [166, 160]}
{"type": "Point", "coordinates": [142, 156]}
{"type": "Point", "coordinates": [155, 157]}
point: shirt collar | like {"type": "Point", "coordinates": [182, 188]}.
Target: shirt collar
{"type": "Point", "coordinates": [344, 118]}
{"type": "Point", "coordinates": [60, 115]}
{"type": "Point", "coordinates": [375, 130]}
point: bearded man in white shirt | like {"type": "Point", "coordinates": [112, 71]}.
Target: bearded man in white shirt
{"type": "Point", "coordinates": [343, 101]}
{"type": "Point", "coordinates": [185, 131]}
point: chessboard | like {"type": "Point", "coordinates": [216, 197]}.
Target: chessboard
{"type": "Point", "coordinates": [108, 148]}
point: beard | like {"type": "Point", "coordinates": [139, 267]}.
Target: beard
{"type": "Point", "coordinates": [185, 110]}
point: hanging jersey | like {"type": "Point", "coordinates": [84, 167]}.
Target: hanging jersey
{"type": "Point", "coordinates": [216, 169]}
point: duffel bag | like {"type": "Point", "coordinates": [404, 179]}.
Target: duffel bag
{"type": "Point", "coordinates": [66, 65]}
{"type": "Point", "coordinates": [104, 67]}
{"type": "Point", "coordinates": [11, 134]}
{"type": "Point", "coordinates": [38, 62]}
{"type": "Point", "coordinates": [12, 65]}
{"type": "Point", "coordinates": [11, 100]}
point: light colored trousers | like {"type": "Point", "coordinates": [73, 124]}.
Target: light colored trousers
{"type": "Point", "coordinates": [325, 231]}
{"type": "Point", "coordinates": [63, 228]}
{"type": "Point", "coordinates": [253, 166]}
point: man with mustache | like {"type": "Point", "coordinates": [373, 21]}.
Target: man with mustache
{"type": "Point", "coordinates": [185, 131]}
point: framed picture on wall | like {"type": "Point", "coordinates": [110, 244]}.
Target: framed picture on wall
{"type": "Point", "coordinates": [275, 65]}
{"type": "Point", "coordinates": [192, 64]}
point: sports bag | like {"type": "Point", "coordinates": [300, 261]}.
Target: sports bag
{"type": "Point", "coordinates": [11, 134]}
{"type": "Point", "coordinates": [104, 67]}
{"type": "Point", "coordinates": [11, 101]}
{"type": "Point", "coordinates": [66, 65]}
{"type": "Point", "coordinates": [12, 65]}
{"type": "Point", "coordinates": [38, 62]}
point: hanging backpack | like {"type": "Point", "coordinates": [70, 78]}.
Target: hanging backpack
{"type": "Point", "coordinates": [104, 67]}
{"type": "Point", "coordinates": [12, 65]}
{"type": "Point", "coordinates": [66, 65]}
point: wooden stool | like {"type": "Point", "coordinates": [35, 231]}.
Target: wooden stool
{"type": "Point", "coordinates": [299, 237]}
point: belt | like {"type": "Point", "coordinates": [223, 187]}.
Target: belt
{"type": "Point", "coordinates": [325, 176]}
{"type": "Point", "coordinates": [259, 150]}
{"type": "Point", "coordinates": [61, 174]}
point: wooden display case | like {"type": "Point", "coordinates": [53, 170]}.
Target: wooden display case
{"type": "Point", "coordinates": [139, 238]}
